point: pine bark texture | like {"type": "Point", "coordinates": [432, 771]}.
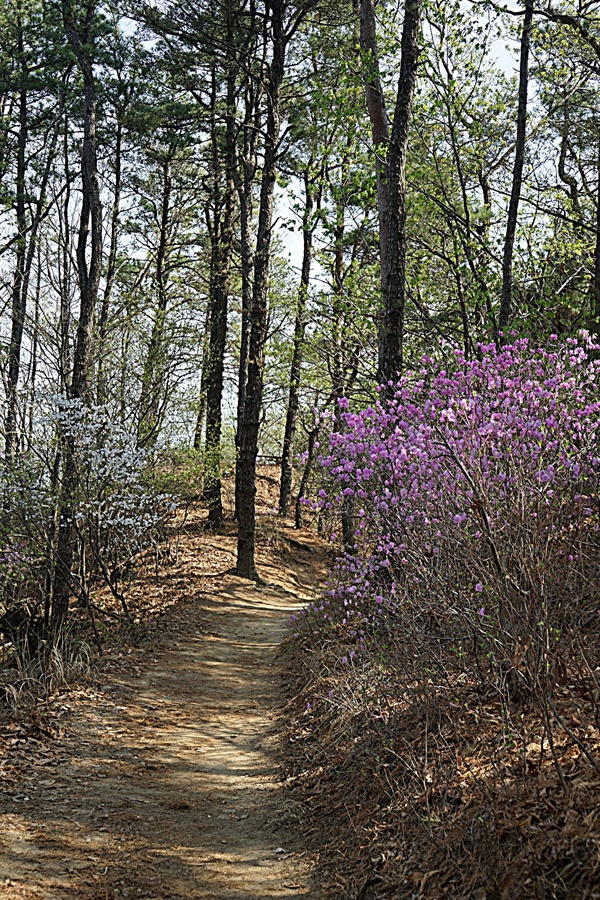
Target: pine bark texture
{"type": "Point", "coordinates": [250, 423]}
{"type": "Point", "coordinates": [391, 148]}
{"type": "Point", "coordinates": [245, 185]}
{"type": "Point", "coordinates": [222, 238]}
{"type": "Point", "coordinates": [89, 280]}
{"type": "Point", "coordinates": [517, 180]}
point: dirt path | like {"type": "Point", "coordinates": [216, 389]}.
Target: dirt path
{"type": "Point", "coordinates": [167, 786]}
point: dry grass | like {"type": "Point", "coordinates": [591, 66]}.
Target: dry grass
{"type": "Point", "coordinates": [27, 680]}
{"type": "Point", "coordinates": [440, 791]}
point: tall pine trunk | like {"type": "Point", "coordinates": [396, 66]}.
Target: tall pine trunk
{"type": "Point", "coordinates": [149, 422]}
{"type": "Point", "coordinates": [313, 436]}
{"type": "Point", "coordinates": [19, 299]}
{"type": "Point", "coordinates": [89, 279]}
{"type": "Point", "coordinates": [249, 426]}
{"type": "Point", "coordinates": [222, 236]}
{"type": "Point", "coordinates": [285, 487]}
{"type": "Point", "coordinates": [201, 415]}
{"type": "Point", "coordinates": [111, 269]}
{"type": "Point", "coordinates": [517, 181]}
{"type": "Point", "coordinates": [245, 186]}
{"type": "Point", "coordinates": [595, 283]}
{"type": "Point", "coordinates": [391, 149]}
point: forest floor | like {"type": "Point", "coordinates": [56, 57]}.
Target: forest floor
{"type": "Point", "coordinates": [212, 758]}
{"type": "Point", "coordinates": [161, 777]}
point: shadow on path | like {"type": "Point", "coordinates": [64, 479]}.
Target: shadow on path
{"type": "Point", "coordinates": [168, 787]}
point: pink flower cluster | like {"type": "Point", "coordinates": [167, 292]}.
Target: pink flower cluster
{"type": "Point", "coordinates": [470, 488]}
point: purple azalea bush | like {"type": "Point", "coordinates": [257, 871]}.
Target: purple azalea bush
{"type": "Point", "coordinates": [474, 492]}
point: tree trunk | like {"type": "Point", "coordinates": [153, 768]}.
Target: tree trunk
{"type": "Point", "coordinates": [391, 181]}
{"type": "Point", "coordinates": [19, 299]}
{"type": "Point", "coordinates": [34, 352]}
{"type": "Point", "coordinates": [153, 367]}
{"type": "Point", "coordinates": [203, 384]}
{"type": "Point", "coordinates": [64, 355]}
{"type": "Point", "coordinates": [515, 194]}
{"type": "Point", "coordinates": [111, 269]}
{"type": "Point", "coordinates": [285, 487]}
{"type": "Point", "coordinates": [245, 187]}
{"type": "Point", "coordinates": [595, 285]}
{"type": "Point", "coordinates": [337, 365]}
{"type": "Point", "coordinates": [380, 130]}
{"type": "Point", "coordinates": [312, 440]}
{"type": "Point", "coordinates": [26, 250]}
{"type": "Point", "coordinates": [89, 279]}
{"type": "Point", "coordinates": [220, 268]}
{"type": "Point", "coordinates": [248, 443]}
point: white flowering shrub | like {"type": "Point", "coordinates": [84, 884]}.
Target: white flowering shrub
{"type": "Point", "coordinates": [117, 510]}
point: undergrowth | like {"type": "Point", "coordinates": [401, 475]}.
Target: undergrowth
{"type": "Point", "coordinates": [438, 789]}
{"type": "Point", "coordinates": [450, 674]}
{"type": "Point", "coordinates": [28, 679]}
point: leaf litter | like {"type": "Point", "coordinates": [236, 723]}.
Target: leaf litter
{"type": "Point", "coordinates": [159, 774]}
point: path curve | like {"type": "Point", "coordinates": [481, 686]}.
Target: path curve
{"type": "Point", "coordinates": [168, 785]}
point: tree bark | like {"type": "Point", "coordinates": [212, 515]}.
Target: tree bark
{"type": "Point", "coordinates": [65, 276]}
{"type": "Point", "coordinates": [153, 367]}
{"type": "Point", "coordinates": [198, 431]}
{"type": "Point", "coordinates": [19, 300]}
{"type": "Point", "coordinates": [91, 215]}
{"type": "Point", "coordinates": [111, 267]}
{"type": "Point", "coordinates": [248, 443]}
{"type": "Point", "coordinates": [313, 435]}
{"type": "Point", "coordinates": [220, 268]}
{"type": "Point", "coordinates": [35, 338]}
{"type": "Point", "coordinates": [595, 285]}
{"type": "Point", "coordinates": [285, 487]}
{"type": "Point", "coordinates": [339, 355]}
{"type": "Point", "coordinates": [391, 150]}
{"type": "Point", "coordinates": [27, 242]}
{"type": "Point", "coordinates": [380, 127]}
{"type": "Point", "coordinates": [245, 187]}
{"type": "Point", "coordinates": [89, 279]}
{"type": "Point", "coordinates": [517, 181]}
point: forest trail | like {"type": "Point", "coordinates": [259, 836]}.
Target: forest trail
{"type": "Point", "coordinates": [166, 784]}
